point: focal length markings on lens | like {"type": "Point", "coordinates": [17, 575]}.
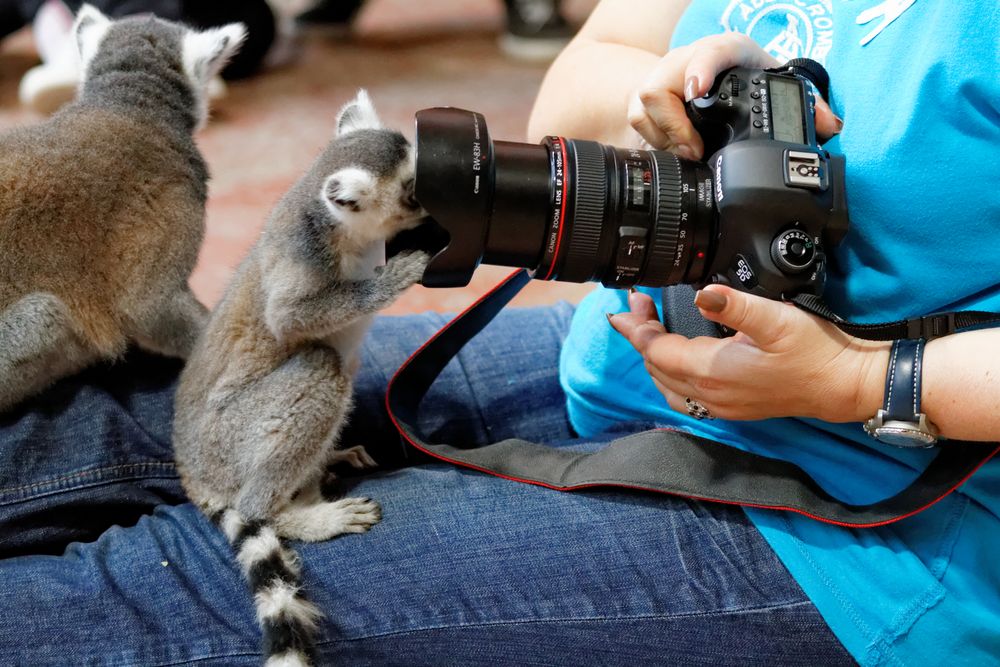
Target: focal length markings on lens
{"type": "Point", "coordinates": [557, 216]}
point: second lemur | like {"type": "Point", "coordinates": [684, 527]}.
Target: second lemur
{"type": "Point", "coordinates": [263, 399]}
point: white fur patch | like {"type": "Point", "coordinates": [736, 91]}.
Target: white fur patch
{"type": "Point", "coordinates": [288, 659]}
{"type": "Point", "coordinates": [205, 54]}
{"type": "Point", "coordinates": [348, 185]}
{"type": "Point", "coordinates": [280, 600]}
{"type": "Point", "coordinates": [232, 524]}
{"type": "Point", "coordinates": [358, 114]}
{"type": "Point", "coordinates": [259, 547]}
{"type": "Point", "coordinates": [89, 30]}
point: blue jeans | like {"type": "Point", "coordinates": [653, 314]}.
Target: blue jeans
{"type": "Point", "coordinates": [105, 563]}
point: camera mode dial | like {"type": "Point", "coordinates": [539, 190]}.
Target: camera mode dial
{"type": "Point", "coordinates": [793, 251]}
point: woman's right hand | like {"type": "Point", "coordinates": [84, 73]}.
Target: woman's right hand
{"type": "Point", "coordinates": [656, 108]}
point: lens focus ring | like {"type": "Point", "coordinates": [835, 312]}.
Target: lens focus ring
{"type": "Point", "coordinates": [590, 200]}
{"type": "Point", "coordinates": [666, 232]}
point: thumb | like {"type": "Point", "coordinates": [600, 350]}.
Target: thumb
{"type": "Point", "coordinates": [763, 320]}
{"type": "Point", "coordinates": [827, 123]}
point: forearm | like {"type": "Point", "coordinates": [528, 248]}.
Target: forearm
{"type": "Point", "coordinates": [961, 385]}
{"type": "Point", "coordinates": [586, 91]}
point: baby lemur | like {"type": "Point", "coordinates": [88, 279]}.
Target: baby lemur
{"type": "Point", "coordinates": [102, 206]}
{"type": "Point", "coordinates": [264, 397]}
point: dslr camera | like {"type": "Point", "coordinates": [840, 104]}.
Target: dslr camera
{"type": "Point", "coordinates": [759, 213]}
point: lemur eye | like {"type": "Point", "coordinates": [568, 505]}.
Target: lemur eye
{"type": "Point", "coordinates": [409, 196]}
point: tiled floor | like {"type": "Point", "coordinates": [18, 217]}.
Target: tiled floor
{"type": "Point", "coordinates": [409, 55]}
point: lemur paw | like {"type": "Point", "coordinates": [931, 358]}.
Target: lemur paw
{"type": "Point", "coordinates": [406, 268]}
{"type": "Point", "coordinates": [352, 515]}
{"type": "Point", "coordinates": [356, 457]}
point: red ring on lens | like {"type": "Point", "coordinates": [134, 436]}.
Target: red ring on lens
{"type": "Point", "coordinates": [562, 212]}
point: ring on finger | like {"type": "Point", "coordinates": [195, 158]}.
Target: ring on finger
{"type": "Point", "coordinates": [697, 410]}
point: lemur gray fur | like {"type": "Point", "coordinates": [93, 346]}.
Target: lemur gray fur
{"type": "Point", "coordinates": [102, 206]}
{"type": "Point", "coordinates": [263, 399]}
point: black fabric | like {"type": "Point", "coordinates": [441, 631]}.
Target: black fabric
{"type": "Point", "coordinates": [661, 460]}
{"type": "Point", "coordinates": [680, 315]}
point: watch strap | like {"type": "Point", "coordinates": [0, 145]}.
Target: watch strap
{"type": "Point", "coordinates": [902, 382]}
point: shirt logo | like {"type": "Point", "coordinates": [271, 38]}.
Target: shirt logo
{"type": "Point", "coordinates": [785, 28]}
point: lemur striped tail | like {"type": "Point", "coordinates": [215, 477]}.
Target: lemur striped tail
{"type": "Point", "coordinates": [288, 620]}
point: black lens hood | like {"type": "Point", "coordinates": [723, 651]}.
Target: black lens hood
{"type": "Point", "coordinates": [454, 184]}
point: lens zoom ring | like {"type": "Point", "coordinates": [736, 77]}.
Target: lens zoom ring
{"type": "Point", "coordinates": [666, 233]}
{"type": "Point", "coordinates": [588, 216]}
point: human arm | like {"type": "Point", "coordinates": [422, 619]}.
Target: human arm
{"type": "Point", "coordinates": [586, 91]}
{"type": "Point", "coordinates": [786, 362]}
{"type": "Point", "coordinates": [618, 83]}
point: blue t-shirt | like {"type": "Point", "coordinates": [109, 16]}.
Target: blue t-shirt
{"type": "Point", "coordinates": [916, 82]}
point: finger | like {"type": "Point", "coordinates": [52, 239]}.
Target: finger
{"type": "Point", "coordinates": [827, 123]}
{"type": "Point", "coordinates": [693, 359]}
{"type": "Point", "coordinates": [674, 400]}
{"type": "Point", "coordinates": [662, 96]}
{"type": "Point", "coordinates": [644, 124]}
{"type": "Point", "coordinates": [682, 403]}
{"type": "Point", "coordinates": [638, 329]}
{"type": "Point", "coordinates": [642, 304]}
{"type": "Point", "coordinates": [765, 321]}
{"type": "Point", "coordinates": [718, 53]}
{"type": "Point", "coordinates": [675, 384]}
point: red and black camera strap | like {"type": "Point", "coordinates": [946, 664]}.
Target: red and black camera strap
{"type": "Point", "coordinates": [661, 460]}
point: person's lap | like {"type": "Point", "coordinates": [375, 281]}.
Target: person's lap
{"type": "Point", "coordinates": [463, 569]}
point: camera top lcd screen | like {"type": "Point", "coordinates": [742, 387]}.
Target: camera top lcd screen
{"type": "Point", "coordinates": [786, 110]}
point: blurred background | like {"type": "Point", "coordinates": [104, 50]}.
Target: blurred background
{"type": "Point", "coordinates": [268, 128]}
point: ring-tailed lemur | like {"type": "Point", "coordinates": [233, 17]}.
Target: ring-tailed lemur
{"type": "Point", "coordinates": [263, 398]}
{"type": "Point", "coordinates": [102, 206]}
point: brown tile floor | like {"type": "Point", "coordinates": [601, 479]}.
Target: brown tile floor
{"type": "Point", "coordinates": [409, 55]}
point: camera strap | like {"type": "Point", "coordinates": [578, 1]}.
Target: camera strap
{"type": "Point", "coordinates": [660, 460]}
{"type": "Point", "coordinates": [926, 327]}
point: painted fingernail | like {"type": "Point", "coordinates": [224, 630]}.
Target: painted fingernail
{"type": "Point", "coordinates": [691, 88]}
{"type": "Point", "coordinates": [609, 316]}
{"type": "Point", "coordinates": [632, 290]}
{"type": "Point", "coordinates": [838, 124]}
{"type": "Point", "coordinates": [713, 302]}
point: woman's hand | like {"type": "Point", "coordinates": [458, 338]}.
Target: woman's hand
{"type": "Point", "coordinates": [783, 363]}
{"type": "Point", "coordinates": [656, 108]}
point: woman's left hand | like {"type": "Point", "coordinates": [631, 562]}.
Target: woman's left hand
{"type": "Point", "coordinates": [783, 362]}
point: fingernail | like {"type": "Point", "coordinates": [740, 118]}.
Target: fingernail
{"type": "Point", "coordinates": [632, 290]}
{"type": "Point", "coordinates": [691, 88]}
{"type": "Point", "coordinates": [686, 152]}
{"type": "Point", "coordinates": [609, 316]}
{"type": "Point", "coordinates": [713, 302]}
{"type": "Point", "coordinates": [839, 124]}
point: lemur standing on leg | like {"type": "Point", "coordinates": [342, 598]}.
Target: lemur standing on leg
{"type": "Point", "coordinates": [102, 207]}
{"type": "Point", "coordinates": [264, 397]}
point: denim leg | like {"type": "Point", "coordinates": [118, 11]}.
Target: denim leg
{"type": "Point", "coordinates": [465, 569]}
{"type": "Point", "coordinates": [91, 452]}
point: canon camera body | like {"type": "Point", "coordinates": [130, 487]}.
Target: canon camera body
{"type": "Point", "coordinates": [758, 214]}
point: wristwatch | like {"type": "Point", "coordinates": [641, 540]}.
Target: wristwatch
{"type": "Point", "coordinates": [900, 421]}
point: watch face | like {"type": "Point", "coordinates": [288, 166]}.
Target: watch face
{"type": "Point", "coordinates": [902, 436]}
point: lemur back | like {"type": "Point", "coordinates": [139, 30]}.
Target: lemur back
{"type": "Point", "coordinates": [263, 399]}
{"type": "Point", "coordinates": [102, 206]}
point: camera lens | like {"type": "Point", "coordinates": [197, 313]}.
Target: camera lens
{"type": "Point", "coordinates": [569, 210]}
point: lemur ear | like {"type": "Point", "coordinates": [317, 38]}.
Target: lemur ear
{"type": "Point", "coordinates": [89, 29]}
{"type": "Point", "coordinates": [348, 190]}
{"type": "Point", "coordinates": [358, 114]}
{"type": "Point", "coordinates": [206, 53]}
